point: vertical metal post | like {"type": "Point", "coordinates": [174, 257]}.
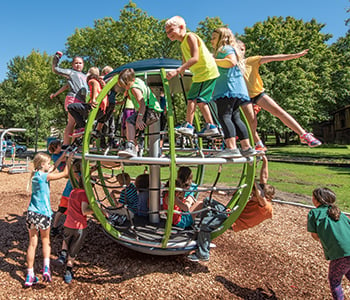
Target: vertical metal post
{"type": "Point", "coordinates": [154, 172]}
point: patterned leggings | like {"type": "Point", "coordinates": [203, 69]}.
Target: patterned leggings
{"type": "Point", "coordinates": [338, 268]}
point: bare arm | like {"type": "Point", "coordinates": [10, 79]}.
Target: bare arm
{"type": "Point", "coordinates": [282, 57]}
{"type": "Point", "coordinates": [259, 195]}
{"type": "Point", "coordinates": [194, 49]}
{"type": "Point", "coordinates": [139, 97]}
{"type": "Point", "coordinates": [264, 172]}
{"type": "Point", "coordinates": [85, 209]}
{"type": "Point", "coordinates": [228, 62]}
{"type": "Point", "coordinates": [93, 93]}
{"type": "Point", "coordinates": [61, 90]}
{"type": "Point", "coordinates": [64, 173]}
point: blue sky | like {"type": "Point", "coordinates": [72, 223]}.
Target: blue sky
{"type": "Point", "coordinates": [44, 25]}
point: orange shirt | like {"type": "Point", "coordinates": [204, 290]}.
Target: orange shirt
{"type": "Point", "coordinates": [252, 215]}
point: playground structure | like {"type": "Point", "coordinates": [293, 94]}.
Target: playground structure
{"type": "Point", "coordinates": [13, 167]}
{"type": "Point", "coordinates": [155, 234]}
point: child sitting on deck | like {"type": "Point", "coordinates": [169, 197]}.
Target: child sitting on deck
{"type": "Point", "coordinates": [127, 202]}
{"type": "Point", "coordinates": [182, 204]}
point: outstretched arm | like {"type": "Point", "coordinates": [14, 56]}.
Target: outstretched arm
{"type": "Point", "coordinates": [61, 90]}
{"type": "Point", "coordinates": [281, 57]}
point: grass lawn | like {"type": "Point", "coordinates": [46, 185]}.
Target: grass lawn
{"type": "Point", "coordinates": [288, 177]}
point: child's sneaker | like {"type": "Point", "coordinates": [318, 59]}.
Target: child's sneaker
{"type": "Point", "coordinates": [129, 151]}
{"type": "Point", "coordinates": [186, 129]}
{"type": "Point", "coordinates": [61, 260]}
{"type": "Point", "coordinates": [47, 274]}
{"type": "Point", "coordinates": [209, 130]}
{"type": "Point", "coordinates": [308, 138]}
{"type": "Point", "coordinates": [193, 257]}
{"type": "Point", "coordinates": [249, 152]}
{"type": "Point", "coordinates": [31, 280]}
{"type": "Point", "coordinates": [78, 132]}
{"type": "Point", "coordinates": [229, 153]}
{"type": "Point", "coordinates": [68, 276]}
{"type": "Point", "coordinates": [260, 149]}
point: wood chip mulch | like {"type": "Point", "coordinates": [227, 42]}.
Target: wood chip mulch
{"type": "Point", "coordinates": [276, 260]}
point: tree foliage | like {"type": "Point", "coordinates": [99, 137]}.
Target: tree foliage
{"type": "Point", "coordinates": [308, 88]}
{"type": "Point", "coordinates": [300, 86]}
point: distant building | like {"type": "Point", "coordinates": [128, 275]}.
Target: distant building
{"type": "Point", "coordinates": [337, 130]}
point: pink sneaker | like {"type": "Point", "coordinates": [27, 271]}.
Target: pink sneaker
{"type": "Point", "coordinates": [308, 138]}
{"type": "Point", "coordinates": [31, 280]}
{"type": "Point", "coordinates": [46, 274]}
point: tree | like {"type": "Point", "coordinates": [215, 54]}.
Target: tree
{"type": "Point", "coordinates": [300, 86]}
{"type": "Point", "coordinates": [25, 96]}
{"type": "Point", "coordinates": [134, 36]}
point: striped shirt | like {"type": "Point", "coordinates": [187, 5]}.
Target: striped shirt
{"type": "Point", "coordinates": [129, 197]}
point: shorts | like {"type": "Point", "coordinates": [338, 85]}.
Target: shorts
{"type": "Point", "coordinates": [127, 112]}
{"type": "Point", "coordinates": [186, 221]}
{"type": "Point", "coordinates": [202, 91]}
{"type": "Point", "coordinates": [37, 221]}
{"type": "Point", "coordinates": [257, 98]}
{"type": "Point", "coordinates": [151, 116]}
{"type": "Point", "coordinates": [74, 239]}
{"type": "Point", "coordinates": [70, 100]}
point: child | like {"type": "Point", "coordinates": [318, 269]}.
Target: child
{"type": "Point", "coordinates": [75, 224]}
{"type": "Point", "coordinates": [185, 176]}
{"type": "Point", "coordinates": [230, 93]}
{"type": "Point", "coordinates": [108, 128]}
{"type": "Point", "coordinates": [142, 186]}
{"type": "Point", "coordinates": [146, 104]}
{"type": "Point", "coordinates": [331, 227]}
{"type": "Point", "coordinates": [59, 158]}
{"type": "Point", "coordinates": [80, 111]}
{"type": "Point", "coordinates": [39, 215]}
{"type": "Point", "coordinates": [198, 59]}
{"type": "Point", "coordinates": [13, 152]}
{"type": "Point", "coordinates": [78, 89]}
{"type": "Point", "coordinates": [257, 94]}
{"type": "Point", "coordinates": [259, 207]}
{"type": "Point", "coordinates": [182, 204]}
{"type": "Point", "coordinates": [128, 196]}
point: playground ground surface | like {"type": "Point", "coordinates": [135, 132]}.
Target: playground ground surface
{"type": "Point", "coordinates": [276, 260]}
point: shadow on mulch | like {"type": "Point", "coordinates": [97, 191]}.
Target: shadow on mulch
{"type": "Point", "coordinates": [245, 293]}
{"type": "Point", "coordinates": [100, 261]}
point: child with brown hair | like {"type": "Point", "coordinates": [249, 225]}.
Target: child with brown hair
{"type": "Point", "coordinates": [126, 201]}
{"type": "Point", "coordinates": [259, 207]}
{"type": "Point", "coordinates": [75, 225]}
{"type": "Point", "coordinates": [78, 89]}
{"type": "Point", "coordinates": [147, 108]}
{"type": "Point", "coordinates": [80, 111]}
{"type": "Point", "coordinates": [328, 225]}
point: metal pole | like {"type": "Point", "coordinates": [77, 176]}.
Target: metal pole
{"type": "Point", "coordinates": [154, 176]}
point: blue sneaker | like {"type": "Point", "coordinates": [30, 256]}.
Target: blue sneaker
{"type": "Point", "coordinates": [31, 280]}
{"type": "Point", "coordinates": [47, 274]}
{"type": "Point", "coordinates": [186, 129]}
{"type": "Point", "coordinates": [193, 257]}
{"type": "Point", "coordinates": [209, 130]}
{"type": "Point", "coordinates": [68, 276]}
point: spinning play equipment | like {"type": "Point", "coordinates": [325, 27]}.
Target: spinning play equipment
{"type": "Point", "coordinates": [155, 234]}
